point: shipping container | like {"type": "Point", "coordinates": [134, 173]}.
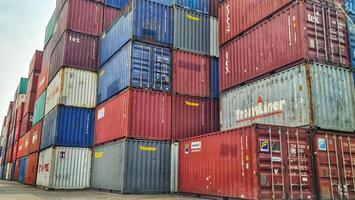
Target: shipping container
{"type": "Point", "coordinates": [29, 102]}
{"type": "Point", "coordinates": [10, 168]}
{"type": "Point", "coordinates": [43, 77]}
{"type": "Point", "coordinates": [350, 6]}
{"type": "Point", "coordinates": [16, 168]}
{"type": "Point", "coordinates": [295, 34]}
{"type": "Point", "coordinates": [197, 6]}
{"type": "Point", "coordinates": [333, 153]}
{"type": "Point", "coordinates": [156, 28]}
{"type": "Point", "coordinates": [214, 8]}
{"type": "Point", "coordinates": [64, 168]}
{"type": "Point", "coordinates": [137, 65]}
{"type": "Point", "coordinates": [36, 63]}
{"type": "Point", "coordinates": [72, 87]}
{"type": "Point", "coordinates": [32, 82]}
{"type": "Point", "coordinates": [310, 95]}
{"type": "Point", "coordinates": [132, 166]}
{"type": "Point", "coordinates": [214, 46]}
{"type": "Point", "coordinates": [191, 31]}
{"type": "Point", "coordinates": [20, 99]}
{"type": "Point", "coordinates": [192, 116]}
{"type": "Point", "coordinates": [191, 74]}
{"type": "Point", "coordinates": [22, 87]}
{"type": "Point", "coordinates": [255, 162]}
{"type": "Point", "coordinates": [50, 29]}
{"type": "Point", "coordinates": [110, 14]}
{"type": "Point", "coordinates": [351, 26]}
{"type": "Point", "coordinates": [74, 50]}
{"type": "Point", "coordinates": [119, 4]}
{"type": "Point", "coordinates": [39, 108]}
{"type": "Point", "coordinates": [8, 157]}
{"type": "Point", "coordinates": [138, 114]}
{"type": "Point", "coordinates": [18, 124]}
{"type": "Point", "coordinates": [68, 126]}
{"type": "Point", "coordinates": [26, 123]}
{"type": "Point", "coordinates": [174, 166]}
{"type": "Point", "coordinates": [214, 78]}
{"type": "Point", "coordinates": [13, 151]}
{"type": "Point", "coordinates": [23, 146]}
{"type": "Point", "coordinates": [35, 137]}
{"type": "Point", "coordinates": [31, 169]}
{"type": "Point", "coordinates": [23, 166]}
{"type": "Point", "coordinates": [83, 16]}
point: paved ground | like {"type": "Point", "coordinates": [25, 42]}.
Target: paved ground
{"type": "Point", "coordinates": [14, 191]}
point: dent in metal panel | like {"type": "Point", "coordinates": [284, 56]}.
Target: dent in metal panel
{"type": "Point", "coordinates": [191, 31]}
{"type": "Point", "coordinates": [214, 46]}
{"type": "Point", "coordinates": [174, 162]}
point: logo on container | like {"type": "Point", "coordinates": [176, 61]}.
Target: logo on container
{"type": "Point", "coordinates": [261, 110]}
{"type": "Point", "coordinates": [196, 146]}
{"type": "Point", "coordinates": [145, 148]}
{"type": "Point", "coordinates": [226, 63]}
{"type": "Point", "coordinates": [313, 19]}
{"type": "Point", "coordinates": [228, 18]}
{"type": "Point", "coordinates": [193, 104]}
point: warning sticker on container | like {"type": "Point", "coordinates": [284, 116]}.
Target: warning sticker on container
{"type": "Point", "coordinates": [145, 148]}
{"type": "Point", "coordinates": [99, 154]}
{"type": "Point", "coordinates": [190, 103]}
{"type": "Point", "coordinates": [101, 113]}
{"type": "Point", "coordinates": [322, 144]}
{"type": "Point", "coordinates": [196, 146]}
{"type": "Point", "coordinates": [186, 149]}
{"type": "Point", "coordinates": [264, 146]}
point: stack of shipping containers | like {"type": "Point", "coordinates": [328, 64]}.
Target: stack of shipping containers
{"type": "Point", "coordinates": [286, 64]}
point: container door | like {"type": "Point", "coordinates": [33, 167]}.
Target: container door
{"type": "Point", "coordinates": [347, 151]}
{"type": "Point", "coordinates": [174, 167]}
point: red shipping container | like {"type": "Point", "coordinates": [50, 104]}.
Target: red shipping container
{"type": "Point", "coordinates": [30, 102]}
{"type": "Point", "coordinates": [214, 8]}
{"type": "Point", "coordinates": [278, 43]}
{"type": "Point", "coordinates": [31, 169]}
{"type": "Point", "coordinates": [334, 160]}
{"type": "Point", "coordinates": [33, 82]}
{"type": "Point", "coordinates": [23, 145]}
{"type": "Point", "coordinates": [14, 151]}
{"type": "Point", "coordinates": [60, 4]}
{"type": "Point", "coordinates": [26, 124]}
{"type": "Point", "coordinates": [36, 63]}
{"type": "Point", "coordinates": [110, 15]}
{"type": "Point", "coordinates": [8, 157]}
{"type": "Point", "coordinates": [17, 170]}
{"type": "Point", "coordinates": [84, 16]}
{"type": "Point", "coordinates": [191, 74]}
{"type": "Point", "coordinates": [18, 124]}
{"type": "Point", "coordinates": [256, 162]}
{"type": "Point", "coordinates": [194, 116]}
{"type": "Point", "coordinates": [35, 137]}
{"type": "Point", "coordinates": [43, 77]}
{"type": "Point", "coordinates": [138, 114]}
{"type": "Point", "coordinates": [75, 50]}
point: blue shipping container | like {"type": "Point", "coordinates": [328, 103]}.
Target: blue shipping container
{"type": "Point", "coordinates": [194, 5]}
{"type": "Point", "coordinates": [350, 6]}
{"type": "Point", "coordinates": [214, 78]}
{"type": "Point", "coordinates": [120, 4]}
{"type": "Point", "coordinates": [146, 21]}
{"type": "Point", "coordinates": [68, 126]}
{"type": "Point", "coordinates": [351, 25]}
{"type": "Point", "coordinates": [138, 65]}
{"type": "Point", "coordinates": [23, 166]}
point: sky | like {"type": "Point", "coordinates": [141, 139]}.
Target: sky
{"type": "Point", "coordinates": [22, 29]}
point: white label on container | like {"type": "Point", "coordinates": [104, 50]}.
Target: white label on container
{"type": "Point", "coordinates": [196, 146]}
{"type": "Point", "coordinates": [322, 145]}
{"type": "Point", "coordinates": [101, 113]}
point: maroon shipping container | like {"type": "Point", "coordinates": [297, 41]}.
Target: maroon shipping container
{"type": "Point", "coordinates": [288, 37]}
{"type": "Point", "coordinates": [60, 4]}
{"type": "Point", "coordinates": [84, 16]}
{"type": "Point", "coordinates": [335, 161]}
{"type": "Point", "coordinates": [36, 63]}
{"type": "Point", "coordinates": [191, 74]}
{"type": "Point", "coordinates": [110, 15]}
{"type": "Point", "coordinates": [33, 81]}
{"type": "Point", "coordinates": [43, 77]}
{"type": "Point", "coordinates": [35, 137]}
{"type": "Point", "coordinates": [138, 114]}
{"type": "Point", "coordinates": [8, 157]}
{"type": "Point", "coordinates": [193, 116]}
{"type": "Point", "coordinates": [214, 8]}
{"type": "Point", "coordinates": [14, 151]}
{"type": "Point", "coordinates": [74, 50]}
{"type": "Point", "coordinates": [29, 103]}
{"type": "Point", "coordinates": [26, 123]}
{"type": "Point", "coordinates": [17, 170]}
{"type": "Point", "coordinates": [18, 124]}
{"type": "Point", "coordinates": [256, 162]}
{"type": "Point", "coordinates": [31, 169]}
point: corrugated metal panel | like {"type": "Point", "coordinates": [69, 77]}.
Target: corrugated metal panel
{"type": "Point", "coordinates": [50, 29]}
{"type": "Point", "coordinates": [191, 74]}
{"type": "Point", "coordinates": [32, 82]}
{"type": "Point", "coordinates": [214, 8]}
{"type": "Point", "coordinates": [36, 64]}
{"type": "Point", "coordinates": [138, 114]}
{"type": "Point", "coordinates": [31, 169]}
{"type": "Point", "coordinates": [120, 4]}
{"type": "Point", "coordinates": [72, 87]}
{"type": "Point", "coordinates": [258, 162]}
{"type": "Point", "coordinates": [191, 31]}
{"type": "Point", "coordinates": [35, 137]}
{"type": "Point", "coordinates": [110, 15]}
{"type": "Point", "coordinates": [23, 166]}
{"type": "Point", "coordinates": [351, 25]}
{"type": "Point", "coordinates": [350, 6]}
{"type": "Point", "coordinates": [39, 108]}
{"type": "Point", "coordinates": [74, 50]}
{"type": "Point", "coordinates": [156, 28]}
{"type": "Point", "coordinates": [22, 87]}
{"type": "Point", "coordinates": [26, 123]}
{"type": "Point", "coordinates": [16, 167]}
{"type": "Point", "coordinates": [296, 34]}
{"type": "Point", "coordinates": [192, 116]}
{"type": "Point", "coordinates": [14, 151]}
{"type": "Point", "coordinates": [23, 145]}
{"type": "Point", "coordinates": [121, 166]}
{"type": "Point", "coordinates": [284, 99]}
{"type": "Point", "coordinates": [214, 78]}
{"type": "Point", "coordinates": [30, 102]}
{"type": "Point", "coordinates": [214, 46]}
{"type": "Point", "coordinates": [174, 169]}
{"type": "Point", "coordinates": [138, 65]}
{"type": "Point", "coordinates": [198, 6]}
{"type": "Point", "coordinates": [64, 168]}
{"type": "Point", "coordinates": [68, 126]}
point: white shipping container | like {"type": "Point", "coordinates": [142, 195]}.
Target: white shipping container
{"type": "Point", "coordinates": [323, 100]}
{"type": "Point", "coordinates": [72, 87]}
{"type": "Point", "coordinates": [174, 165]}
{"type": "Point", "coordinates": [64, 168]}
{"type": "Point", "coordinates": [214, 46]}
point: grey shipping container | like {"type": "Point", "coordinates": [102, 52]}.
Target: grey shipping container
{"type": "Point", "coordinates": [132, 166]}
{"type": "Point", "coordinates": [308, 95]}
{"type": "Point", "coordinates": [191, 31]}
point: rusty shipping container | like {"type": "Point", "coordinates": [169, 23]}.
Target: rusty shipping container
{"type": "Point", "coordinates": [110, 15]}
{"type": "Point", "coordinates": [31, 169]}
{"type": "Point", "coordinates": [191, 74]}
{"type": "Point", "coordinates": [75, 50]}
{"type": "Point", "coordinates": [138, 114]}
{"type": "Point", "coordinates": [255, 162]}
{"type": "Point", "coordinates": [36, 63]}
{"type": "Point", "coordinates": [302, 31]}
{"type": "Point", "coordinates": [35, 137]}
{"type": "Point", "coordinates": [26, 123]}
{"type": "Point", "coordinates": [308, 95]}
{"type": "Point", "coordinates": [193, 116]}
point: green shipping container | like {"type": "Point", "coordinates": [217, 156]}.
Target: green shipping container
{"type": "Point", "coordinates": [50, 29]}
{"type": "Point", "coordinates": [39, 108]}
{"type": "Point", "coordinates": [22, 87]}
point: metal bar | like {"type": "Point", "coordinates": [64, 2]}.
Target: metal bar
{"type": "Point", "coordinates": [141, 76]}
{"type": "Point", "coordinates": [338, 170]}
{"type": "Point", "coordinates": [282, 166]}
{"type": "Point", "coordinates": [345, 187]}
{"type": "Point", "coordinates": [352, 163]}
{"type": "Point", "coordinates": [289, 163]}
{"type": "Point", "coordinates": [330, 35]}
{"type": "Point", "coordinates": [316, 29]}
{"type": "Point", "coordinates": [325, 36]}
{"type": "Point", "coordinates": [272, 166]}
{"type": "Point", "coordinates": [299, 164]}
{"type": "Point", "coordinates": [329, 167]}
{"type": "Point", "coordinates": [338, 34]}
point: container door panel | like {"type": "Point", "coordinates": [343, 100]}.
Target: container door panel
{"type": "Point", "coordinates": [347, 151]}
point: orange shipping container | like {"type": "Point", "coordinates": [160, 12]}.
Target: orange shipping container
{"type": "Point", "coordinates": [35, 137]}
{"type": "Point", "coordinates": [23, 146]}
{"type": "Point", "coordinates": [31, 169]}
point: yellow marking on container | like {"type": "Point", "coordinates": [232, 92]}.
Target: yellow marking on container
{"type": "Point", "coordinates": [144, 148]}
{"type": "Point", "coordinates": [99, 154]}
{"type": "Point", "coordinates": [190, 103]}
{"type": "Point", "coordinates": [193, 18]}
